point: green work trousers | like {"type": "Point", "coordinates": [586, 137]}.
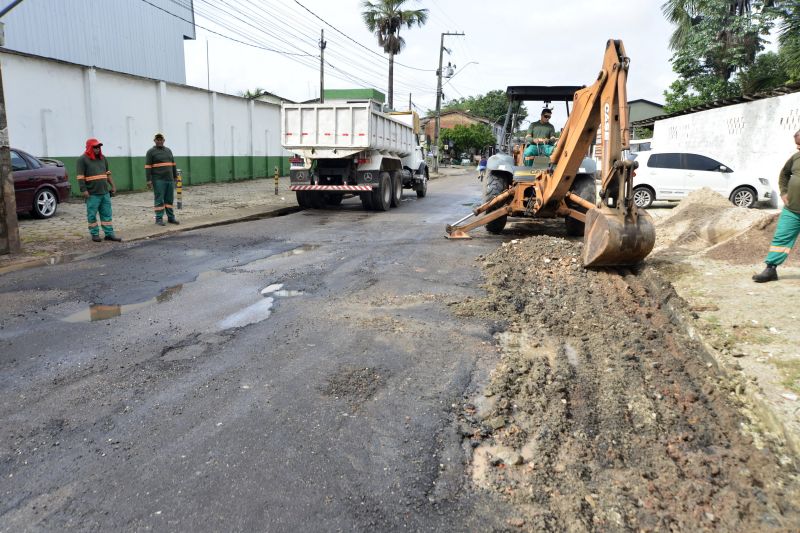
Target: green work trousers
{"type": "Point", "coordinates": [784, 238]}
{"type": "Point", "coordinates": [164, 194]}
{"type": "Point", "coordinates": [99, 203]}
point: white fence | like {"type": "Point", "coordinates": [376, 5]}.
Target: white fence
{"type": "Point", "coordinates": [752, 137]}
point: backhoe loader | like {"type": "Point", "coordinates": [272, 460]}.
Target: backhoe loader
{"type": "Point", "coordinates": [615, 231]}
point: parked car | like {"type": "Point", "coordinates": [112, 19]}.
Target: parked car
{"type": "Point", "coordinates": [39, 184]}
{"type": "Point", "coordinates": [673, 175]}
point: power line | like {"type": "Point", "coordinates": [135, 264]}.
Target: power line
{"type": "Point", "coordinates": [358, 43]}
{"type": "Point", "coordinates": [223, 36]}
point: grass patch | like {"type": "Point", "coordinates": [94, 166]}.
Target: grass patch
{"type": "Point", "coordinates": [791, 374]}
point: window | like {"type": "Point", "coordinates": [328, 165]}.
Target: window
{"type": "Point", "coordinates": [18, 162]}
{"type": "Point", "coordinates": [664, 161]}
{"type": "Point", "coordinates": [701, 162]}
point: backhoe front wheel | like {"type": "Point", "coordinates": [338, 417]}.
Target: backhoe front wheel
{"type": "Point", "coordinates": [496, 185]}
{"type": "Point", "coordinates": [585, 187]}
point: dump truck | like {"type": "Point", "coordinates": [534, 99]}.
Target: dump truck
{"type": "Point", "coordinates": [616, 232]}
{"type": "Point", "coordinates": [345, 148]}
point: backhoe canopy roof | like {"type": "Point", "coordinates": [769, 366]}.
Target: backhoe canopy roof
{"type": "Point", "coordinates": [542, 93]}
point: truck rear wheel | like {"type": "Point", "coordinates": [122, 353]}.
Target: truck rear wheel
{"type": "Point", "coordinates": [317, 199]}
{"type": "Point", "coordinates": [585, 187]}
{"type": "Point", "coordinates": [382, 195]}
{"type": "Point", "coordinates": [397, 188]}
{"type": "Point", "coordinates": [366, 200]}
{"type": "Point", "coordinates": [302, 199]}
{"type": "Point", "coordinates": [334, 198]}
{"type": "Point", "coordinates": [422, 189]}
{"type": "Point", "coordinates": [496, 185]}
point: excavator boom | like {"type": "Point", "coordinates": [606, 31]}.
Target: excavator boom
{"type": "Point", "coordinates": [616, 232]}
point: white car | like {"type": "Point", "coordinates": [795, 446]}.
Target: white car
{"type": "Point", "coordinates": [673, 175]}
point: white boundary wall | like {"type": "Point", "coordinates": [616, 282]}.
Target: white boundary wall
{"type": "Point", "coordinates": [752, 137]}
{"type": "Point", "coordinates": [53, 107]}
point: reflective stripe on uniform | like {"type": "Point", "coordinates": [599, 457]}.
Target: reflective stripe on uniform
{"type": "Point", "coordinates": [780, 249]}
{"type": "Point", "coordinates": [93, 178]}
{"type": "Point", "coordinates": [157, 165]}
{"type": "Point", "coordinates": [93, 225]}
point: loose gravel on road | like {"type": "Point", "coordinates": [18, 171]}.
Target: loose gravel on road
{"type": "Point", "coordinates": [603, 414]}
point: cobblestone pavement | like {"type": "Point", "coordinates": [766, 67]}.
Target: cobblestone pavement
{"type": "Point", "coordinates": [67, 232]}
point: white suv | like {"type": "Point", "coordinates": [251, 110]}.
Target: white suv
{"type": "Point", "coordinates": [673, 175]}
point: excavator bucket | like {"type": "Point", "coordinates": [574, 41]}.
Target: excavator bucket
{"type": "Point", "coordinates": [613, 239]}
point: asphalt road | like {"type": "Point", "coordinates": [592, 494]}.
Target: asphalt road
{"type": "Point", "coordinates": [155, 387]}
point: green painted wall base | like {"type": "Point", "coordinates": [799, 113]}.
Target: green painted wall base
{"type": "Point", "coordinates": [128, 172]}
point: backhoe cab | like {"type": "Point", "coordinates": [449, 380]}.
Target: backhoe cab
{"type": "Point", "coordinates": [615, 231]}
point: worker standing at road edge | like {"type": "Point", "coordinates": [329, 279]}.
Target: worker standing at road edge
{"type": "Point", "coordinates": [789, 220]}
{"type": "Point", "coordinates": [94, 180]}
{"type": "Point", "coordinates": [162, 173]}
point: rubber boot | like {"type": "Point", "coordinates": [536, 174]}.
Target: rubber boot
{"type": "Point", "coordinates": [768, 274]}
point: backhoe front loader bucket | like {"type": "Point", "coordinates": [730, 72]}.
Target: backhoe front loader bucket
{"type": "Point", "coordinates": [612, 238]}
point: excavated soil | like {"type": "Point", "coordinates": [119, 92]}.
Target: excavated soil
{"type": "Point", "coordinates": [603, 414]}
{"type": "Point", "coordinates": [704, 219]}
{"type": "Point", "coordinates": [752, 245]}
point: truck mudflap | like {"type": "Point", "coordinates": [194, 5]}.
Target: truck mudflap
{"type": "Point", "coordinates": [331, 187]}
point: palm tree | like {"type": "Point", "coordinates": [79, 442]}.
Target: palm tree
{"type": "Point", "coordinates": [790, 39]}
{"type": "Point", "coordinates": [385, 18]}
{"type": "Point", "coordinates": [687, 15]}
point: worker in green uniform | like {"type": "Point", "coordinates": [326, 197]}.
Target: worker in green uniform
{"type": "Point", "coordinates": [97, 187]}
{"type": "Point", "coordinates": [161, 174]}
{"type": "Point", "coordinates": [543, 134]}
{"type": "Point", "coordinates": [789, 220]}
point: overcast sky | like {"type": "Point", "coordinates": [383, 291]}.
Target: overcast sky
{"type": "Point", "coordinates": [506, 42]}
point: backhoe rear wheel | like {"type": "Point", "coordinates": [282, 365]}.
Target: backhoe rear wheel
{"type": "Point", "coordinates": [496, 185]}
{"type": "Point", "coordinates": [585, 187]}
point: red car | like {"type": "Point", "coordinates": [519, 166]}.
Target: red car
{"type": "Point", "coordinates": [39, 184]}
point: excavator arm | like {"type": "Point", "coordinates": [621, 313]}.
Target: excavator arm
{"type": "Point", "coordinates": [616, 231]}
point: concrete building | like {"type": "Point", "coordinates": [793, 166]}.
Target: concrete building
{"type": "Point", "coordinates": [135, 37]}
{"type": "Point", "coordinates": [215, 137]}
{"type": "Point", "coordinates": [642, 109]}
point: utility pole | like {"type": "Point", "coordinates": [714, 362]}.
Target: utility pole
{"type": "Point", "coordinates": [322, 45]}
{"type": "Point", "coordinates": [439, 102]}
{"type": "Point", "coordinates": [9, 229]}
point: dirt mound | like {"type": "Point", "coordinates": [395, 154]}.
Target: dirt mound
{"type": "Point", "coordinates": [752, 245]}
{"type": "Point", "coordinates": [603, 414]}
{"type": "Point", "coordinates": [703, 219]}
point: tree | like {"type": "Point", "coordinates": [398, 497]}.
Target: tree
{"type": "Point", "coordinates": [767, 72]}
{"type": "Point", "coordinates": [258, 92]}
{"type": "Point", "coordinates": [491, 106]}
{"type": "Point", "coordinates": [472, 138]}
{"type": "Point", "coordinates": [385, 18]}
{"type": "Point", "coordinates": [713, 39]}
{"type": "Point", "coordinates": [789, 39]}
